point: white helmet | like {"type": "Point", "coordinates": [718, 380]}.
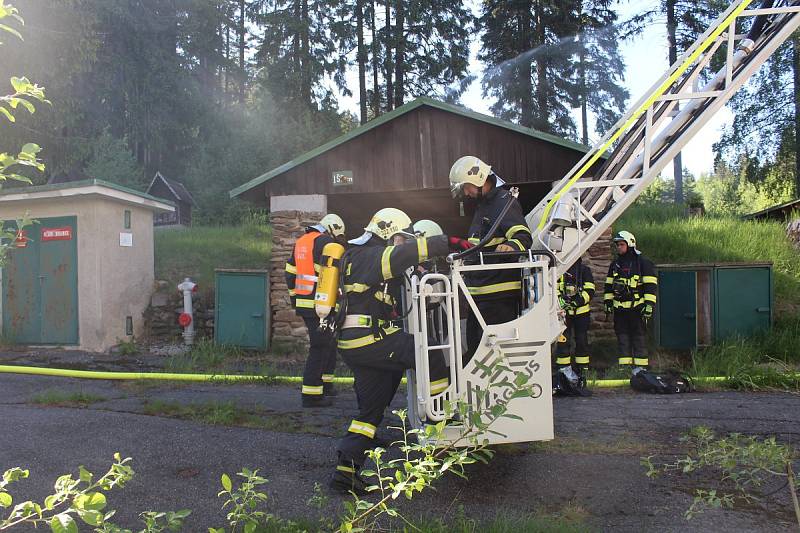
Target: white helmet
{"type": "Point", "coordinates": [468, 169]}
{"type": "Point", "coordinates": [427, 228]}
{"type": "Point", "coordinates": [389, 222]}
{"type": "Point", "coordinates": [333, 224]}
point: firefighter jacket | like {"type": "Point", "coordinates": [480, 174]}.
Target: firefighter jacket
{"type": "Point", "coordinates": [303, 302]}
{"type": "Point", "coordinates": [512, 231]}
{"type": "Point", "coordinates": [576, 289]}
{"type": "Point", "coordinates": [368, 269]}
{"type": "Point", "coordinates": [631, 281]}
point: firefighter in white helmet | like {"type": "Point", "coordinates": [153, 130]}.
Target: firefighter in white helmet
{"type": "Point", "coordinates": [630, 293]}
{"type": "Point", "coordinates": [376, 350]}
{"type": "Point", "coordinates": [497, 293]}
{"type": "Point", "coordinates": [302, 270]}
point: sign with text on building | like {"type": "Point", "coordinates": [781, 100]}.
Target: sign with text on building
{"type": "Point", "coordinates": [57, 234]}
{"type": "Point", "coordinates": [342, 177]}
{"type": "Point", "coordinates": [126, 239]}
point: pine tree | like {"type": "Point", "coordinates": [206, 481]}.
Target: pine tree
{"type": "Point", "coordinates": [297, 51]}
{"type": "Point", "coordinates": [600, 69]}
{"type": "Point", "coordinates": [528, 47]}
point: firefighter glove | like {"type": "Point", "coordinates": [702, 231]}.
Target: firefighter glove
{"type": "Point", "coordinates": [458, 244]}
{"type": "Point", "coordinates": [647, 311]}
{"type": "Point", "coordinates": [609, 306]}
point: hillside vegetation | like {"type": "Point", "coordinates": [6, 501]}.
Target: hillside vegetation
{"type": "Point", "coordinates": [195, 252]}
{"type": "Point", "coordinates": [666, 235]}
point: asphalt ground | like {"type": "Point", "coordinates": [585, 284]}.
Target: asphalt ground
{"type": "Point", "coordinates": [593, 466]}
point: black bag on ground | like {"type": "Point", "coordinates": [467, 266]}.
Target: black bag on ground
{"type": "Point", "coordinates": [567, 383]}
{"type": "Point", "coordinates": [669, 382]}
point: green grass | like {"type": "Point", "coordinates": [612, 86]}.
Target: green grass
{"type": "Point", "coordinates": [570, 520]}
{"type": "Point", "coordinates": [228, 413]}
{"type": "Point", "coordinates": [195, 252]}
{"type": "Point", "coordinates": [204, 355]}
{"type": "Point", "coordinates": [56, 398]}
{"type": "Point", "coordinates": [665, 235]}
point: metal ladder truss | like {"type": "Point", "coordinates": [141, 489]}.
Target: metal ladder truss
{"type": "Point", "coordinates": [588, 200]}
{"type": "Point", "coordinates": [433, 311]}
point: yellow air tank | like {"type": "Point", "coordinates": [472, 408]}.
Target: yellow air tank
{"type": "Point", "coordinates": [328, 284]}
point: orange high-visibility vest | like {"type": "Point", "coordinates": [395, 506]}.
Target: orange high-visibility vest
{"type": "Point", "coordinates": [306, 277]}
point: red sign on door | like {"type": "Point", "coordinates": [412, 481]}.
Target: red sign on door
{"type": "Point", "coordinates": [22, 239]}
{"type": "Point", "coordinates": [57, 234]}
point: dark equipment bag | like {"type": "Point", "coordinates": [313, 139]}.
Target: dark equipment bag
{"type": "Point", "coordinates": [669, 382]}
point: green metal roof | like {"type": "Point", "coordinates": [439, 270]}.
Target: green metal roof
{"type": "Point", "coordinates": [405, 108]}
{"type": "Point", "coordinates": [78, 184]}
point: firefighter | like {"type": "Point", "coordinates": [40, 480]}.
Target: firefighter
{"type": "Point", "coordinates": [575, 291]}
{"type": "Point", "coordinates": [630, 293]}
{"type": "Point", "coordinates": [497, 293]}
{"type": "Point", "coordinates": [302, 270]}
{"type": "Point", "coordinates": [376, 350]}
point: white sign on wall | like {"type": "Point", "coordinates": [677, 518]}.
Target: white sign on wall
{"type": "Point", "coordinates": [125, 239]}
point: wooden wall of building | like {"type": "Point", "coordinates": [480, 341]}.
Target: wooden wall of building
{"type": "Point", "coordinates": [415, 150]}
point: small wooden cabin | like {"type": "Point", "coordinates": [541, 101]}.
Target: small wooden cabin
{"type": "Point", "coordinates": [401, 159]}
{"type": "Point", "coordinates": [175, 192]}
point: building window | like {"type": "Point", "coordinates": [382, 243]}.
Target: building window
{"type": "Point", "coordinates": [127, 219]}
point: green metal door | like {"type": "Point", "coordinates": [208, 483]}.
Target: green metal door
{"type": "Point", "coordinates": [241, 317]}
{"type": "Point", "coordinates": [677, 309]}
{"type": "Point", "coordinates": [743, 302]}
{"type": "Point", "coordinates": [40, 284]}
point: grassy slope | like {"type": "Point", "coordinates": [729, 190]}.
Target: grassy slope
{"type": "Point", "coordinates": [196, 252]}
{"type": "Point", "coordinates": [666, 236]}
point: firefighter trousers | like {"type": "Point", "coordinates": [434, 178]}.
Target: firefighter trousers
{"type": "Point", "coordinates": [377, 370]}
{"type": "Point", "coordinates": [321, 361]}
{"type": "Point", "coordinates": [577, 335]}
{"type": "Point", "coordinates": [494, 311]}
{"type": "Point", "coordinates": [630, 329]}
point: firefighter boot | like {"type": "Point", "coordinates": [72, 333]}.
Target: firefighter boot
{"type": "Point", "coordinates": [346, 480]}
{"type": "Point", "coordinates": [316, 401]}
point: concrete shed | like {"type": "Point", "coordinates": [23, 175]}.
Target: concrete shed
{"type": "Point", "coordinates": [82, 274]}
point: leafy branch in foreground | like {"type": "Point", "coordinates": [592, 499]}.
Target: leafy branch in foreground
{"type": "Point", "coordinates": [435, 453]}
{"type": "Point", "coordinates": [82, 497]}
{"type": "Point", "coordinates": [23, 95]}
{"type": "Point", "coordinates": [745, 464]}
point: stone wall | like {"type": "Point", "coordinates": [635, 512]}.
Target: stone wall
{"type": "Point", "coordinates": [161, 316]}
{"type": "Point", "coordinates": [288, 330]}
{"type": "Point", "coordinates": [598, 258]}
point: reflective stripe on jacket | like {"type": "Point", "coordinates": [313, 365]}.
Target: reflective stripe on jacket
{"type": "Point", "coordinates": [512, 230]}
{"type": "Point", "coordinates": [369, 269]}
{"type": "Point", "coordinates": [302, 300]}
{"type": "Point", "coordinates": [631, 282]}
{"type": "Point", "coordinates": [577, 284]}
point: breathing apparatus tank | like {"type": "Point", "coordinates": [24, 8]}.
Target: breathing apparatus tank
{"type": "Point", "coordinates": [328, 283]}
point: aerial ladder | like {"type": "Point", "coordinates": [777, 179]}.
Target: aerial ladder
{"type": "Point", "coordinates": [578, 210]}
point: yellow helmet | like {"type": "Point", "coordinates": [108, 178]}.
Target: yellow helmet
{"type": "Point", "coordinates": [389, 222]}
{"type": "Point", "coordinates": [427, 228]}
{"type": "Point", "coordinates": [468, 169]}
{"type": "Point", "coordinates": [333, 224]}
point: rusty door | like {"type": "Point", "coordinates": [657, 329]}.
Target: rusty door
{"type": "Point", "coordinates": [40, 285]}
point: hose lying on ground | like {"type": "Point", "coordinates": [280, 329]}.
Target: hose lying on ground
{"type": "Point", "coordinates": [95, 374]}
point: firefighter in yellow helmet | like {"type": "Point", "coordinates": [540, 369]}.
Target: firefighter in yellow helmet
{"type": "Point", "coordinates": [376, 350]}
{"type": "Point", "coordinates": [497, 293]}
{"type": "Point", "coordinates": [302, 270]}
{"type": "Point", "coordinates": [630, 293]}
